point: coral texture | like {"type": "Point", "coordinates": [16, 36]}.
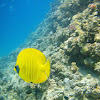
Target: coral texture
{"type": "Point", "coordinates": [70, 38]}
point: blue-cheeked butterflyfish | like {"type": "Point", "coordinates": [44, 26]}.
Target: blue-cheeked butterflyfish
{"type": "Point", "coordinates": [32, 66]}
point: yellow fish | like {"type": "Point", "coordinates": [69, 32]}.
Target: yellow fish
{"type": "Point", "coordinates": [32, 66]}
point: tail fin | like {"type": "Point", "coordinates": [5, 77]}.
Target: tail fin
{"type": "Point", "coordinates": [44, 73]}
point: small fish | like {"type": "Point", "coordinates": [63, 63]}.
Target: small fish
{"type": "Point", "coordinates": [32, 66]}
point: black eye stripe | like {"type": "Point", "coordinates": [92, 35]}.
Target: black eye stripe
{"type": "Point", "coordinates": [17, 68]}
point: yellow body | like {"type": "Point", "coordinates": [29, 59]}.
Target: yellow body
{"type": "Point", "coordinates": [33, 66]}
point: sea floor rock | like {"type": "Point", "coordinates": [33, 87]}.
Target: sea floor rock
{"type": "Point", "coordinates": [69, 37]}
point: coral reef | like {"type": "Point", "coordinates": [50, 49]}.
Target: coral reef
{"type": "Point", "coordinates": [85, 38]}
{"type": "Point", "coordinates": [70, 38]}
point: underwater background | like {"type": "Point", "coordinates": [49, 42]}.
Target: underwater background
{"type": "Point", "coordinates": [17, 20]}
{"type": "Point", "coordinates": [68, 35]}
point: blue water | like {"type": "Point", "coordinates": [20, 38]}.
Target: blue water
{"type": "Point", "coordinates": [18, 18]}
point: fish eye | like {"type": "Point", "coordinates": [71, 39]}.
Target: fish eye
{"type": "Point", "coordinates": [15, 67]}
